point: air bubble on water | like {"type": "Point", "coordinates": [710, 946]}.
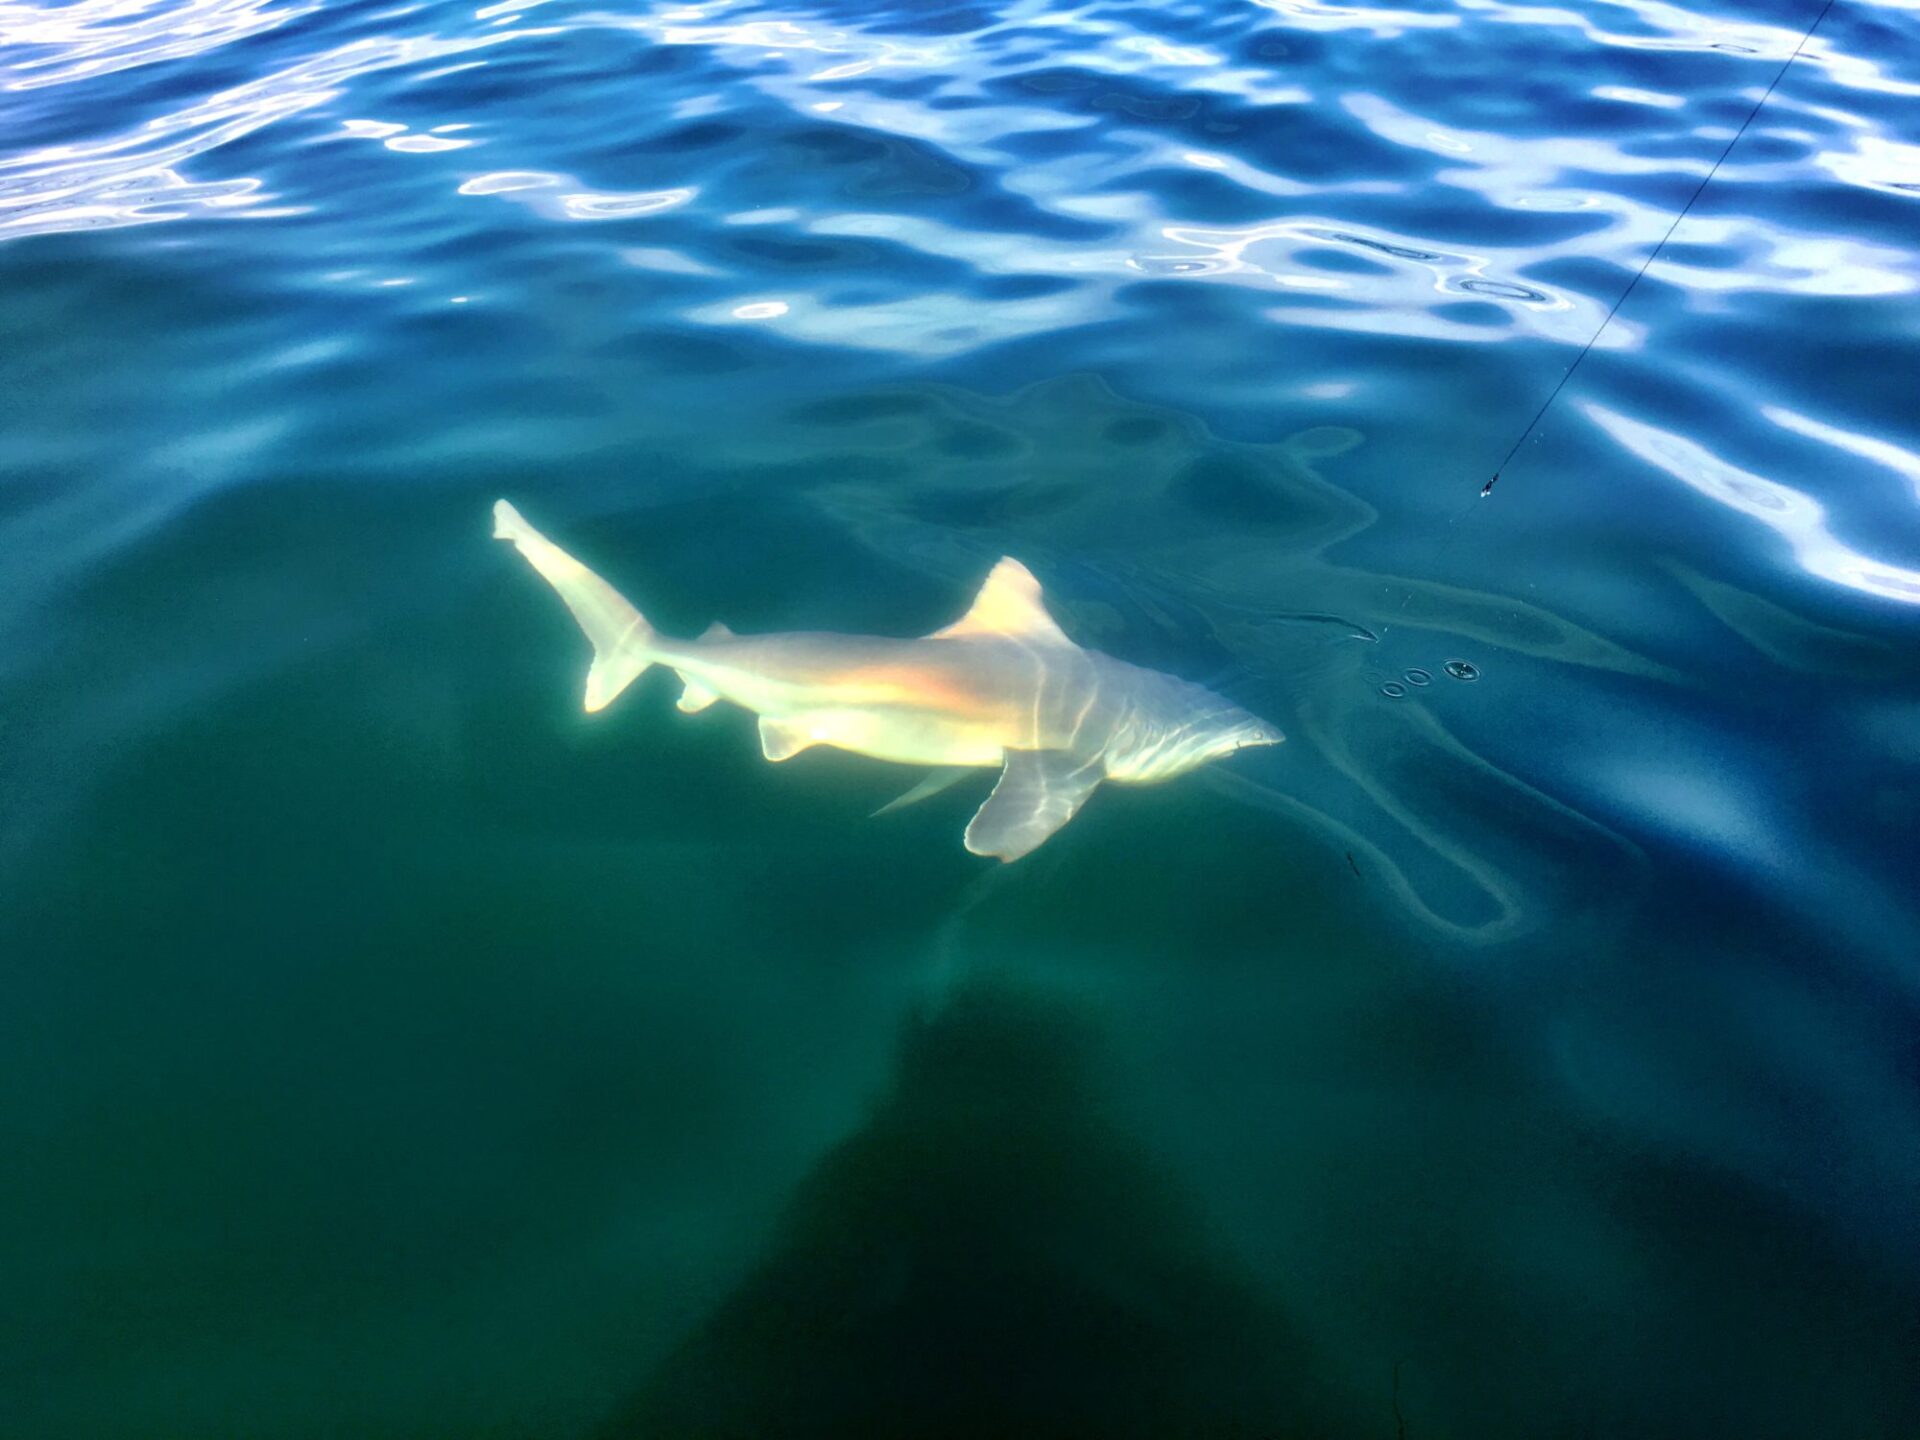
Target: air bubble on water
{"type": "Point", "coordinates": [1419, 677]}
{"type": "Point", "coordinates": [1393, 689]}
{"type": "Point", "coordinates": [1461, 670]}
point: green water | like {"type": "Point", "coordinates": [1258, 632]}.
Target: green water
{"type": "Point", "coordinates": [390, 1050]}
{"type": "Point", "coordinates": [408, 1053]}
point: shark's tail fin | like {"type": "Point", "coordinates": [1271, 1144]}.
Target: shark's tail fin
{"type": "Point", "coordinates": [622, 638]}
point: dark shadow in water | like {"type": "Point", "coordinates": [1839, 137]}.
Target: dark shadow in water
{"type": "Point", "coordinates": [990, 1255]}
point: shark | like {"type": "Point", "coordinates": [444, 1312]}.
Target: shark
{"type": "Point", "coordinates": [1003, 686]}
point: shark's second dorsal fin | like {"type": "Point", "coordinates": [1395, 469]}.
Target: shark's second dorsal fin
{"type": "Point", "coordinates": [717, 631]}
{"type": "Point", "coordinates": [1009, 604]}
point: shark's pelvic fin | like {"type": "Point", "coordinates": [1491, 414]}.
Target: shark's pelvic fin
{"type": "Point", "coordinates": [936, 780]}
{"type": "Point", "coordinates": [620, 634]}
{"type": "Point", "coordinates": [696, 697]}
{"type": "Point", "coordinates": [1038, 792]}
{"type": "Point", "coordinates": [1009, 605]}
{"type": "Point", "coordinates": [782, 739]}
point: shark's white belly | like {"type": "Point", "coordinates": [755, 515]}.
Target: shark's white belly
{"type": "Point", "coordinates": [907, 737]}
{"type": "Point", "coordinates": [889, 717]}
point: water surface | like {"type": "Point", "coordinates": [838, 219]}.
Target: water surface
{"type": "Point", "coordinates": [1526, 1048]}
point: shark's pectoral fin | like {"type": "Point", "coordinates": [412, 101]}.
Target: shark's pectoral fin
{"type": "Point", "coordinates": [1038, 792]}
{"type": "Point", "coordinates": [936, 781]}
{"type": "Point", "coordinates": [782, 739]}
{"type": "Point", "coordinates": [696, 697]}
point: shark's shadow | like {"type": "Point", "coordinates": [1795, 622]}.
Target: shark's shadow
{"type": "Point", "coordinates": [991, 1254]}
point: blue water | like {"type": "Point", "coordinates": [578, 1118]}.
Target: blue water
{"type": "Point", "coordinates": [1526, 1048]}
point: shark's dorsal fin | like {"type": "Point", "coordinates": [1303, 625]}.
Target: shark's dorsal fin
{"type": "Point", "coordinates": [1009, 604]}
{"type": "Point", "coordinates": [717, 631]}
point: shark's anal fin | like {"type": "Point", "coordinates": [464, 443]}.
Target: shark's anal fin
{"type": "Point", "coordinates": [1010, 606]}
{"type": "Point", "coordinates": [1038, 792]}
{"type": "Point", "coordinates": [782, 739]}
{"type": "Point", "coordinates": [695, 697]}
{"type": "Point", "coordinates": [936, 780]}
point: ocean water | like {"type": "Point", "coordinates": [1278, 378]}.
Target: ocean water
{"type": "Point", "coordinates": [1525, 1048]}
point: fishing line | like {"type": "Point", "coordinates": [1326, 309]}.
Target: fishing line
{"type": "Point", "coordinates": [1487, 489]}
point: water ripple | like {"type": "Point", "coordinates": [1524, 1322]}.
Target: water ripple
{"type": "Point", "coordinates": [54, 46]}
{"type": "Point", "coordinates": [134, 176]}
{"type": "Point", "coordinates": [1794, 515]}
